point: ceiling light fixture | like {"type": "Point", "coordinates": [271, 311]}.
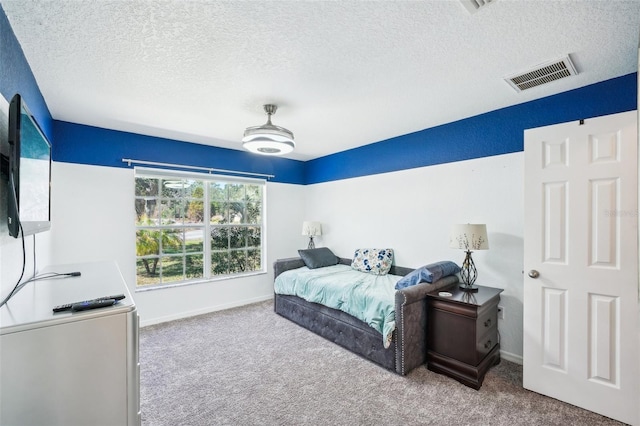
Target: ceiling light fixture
{"type": "Point", "coordinates": [268, 139]}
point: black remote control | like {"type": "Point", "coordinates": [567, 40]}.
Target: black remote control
{"type": "Point", "coordinates": [68, 306]}
{"type": "Point", "coordinates": [92, 304]}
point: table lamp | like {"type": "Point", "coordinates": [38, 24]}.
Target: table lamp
{"type": "Point", "coordinates": [468, 237]}
{"type": "Point", "coordinates": [311, 229]}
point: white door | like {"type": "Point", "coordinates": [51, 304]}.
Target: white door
{"type": "Point", "coordinates": [581, 264]}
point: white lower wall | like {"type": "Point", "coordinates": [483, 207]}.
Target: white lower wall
{"type": "Point", "coordinates": [93, 219]}
{"type": "Point", "coordinates": [412, 211]}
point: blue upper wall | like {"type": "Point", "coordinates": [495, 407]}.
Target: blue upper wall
{"type": "Point", "coordinates": [493, 133]}
{"type": "Point", "coordinates": [92, 145]}
{"type": "Point", "coordinates": [16, 77]}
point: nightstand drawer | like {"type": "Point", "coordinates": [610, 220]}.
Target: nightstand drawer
{"type": "Point", "coordinates": [487, 322]}
{"type": "Point", "coordinates": [487, 342]}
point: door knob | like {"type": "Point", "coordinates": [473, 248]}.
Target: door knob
{"type": "Point", "coordinates": [534, 274]}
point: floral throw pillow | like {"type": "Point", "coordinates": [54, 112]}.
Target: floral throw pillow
{"type": "Point", "coordinates": [373, 261]}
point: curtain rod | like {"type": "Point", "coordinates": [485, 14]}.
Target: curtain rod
{"type": "Point", "coordinates": [130, 161]}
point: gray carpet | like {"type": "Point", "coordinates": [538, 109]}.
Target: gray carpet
{"type": "Point", "coordinates": [249, 366]}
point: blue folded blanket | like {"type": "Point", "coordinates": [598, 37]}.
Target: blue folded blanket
{"type": "Point", "coordinates": [429, 273]}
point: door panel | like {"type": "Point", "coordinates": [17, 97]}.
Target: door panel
{"type": "Point", "coordinates": [555, 222]}
{"type": "Point", "coordinates": [555, 331]}
{"type": "Point", "coordinates": [604, 226]}
{"type": "Point", "coordinates": [581, 228]}
{"type": "Point", "coordinates": [604, 347]}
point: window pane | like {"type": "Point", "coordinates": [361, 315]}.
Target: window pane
{"type": "Point", "coordinates": [254, 192]}
{"type": "Point", "coordinates": [253, 209]}
{"type": "Point", "coordinates": [147, 242]}
{"type": "Point", "coordinates": [220, 263]}
{"type": "Point", "coordinates": [147, 187]}
{"type": "Point", "coordinates": [195, 211]}
{"type": "Point", "coordinates": [218, 191]}
{"type": "Point", "coordinates": [236, 212]}
{"type": "Point", "coordinates": [172, 268]}
{"type": "Point", "coordinates": [171, 211]}
{"type": "Point", "coordinates": [219, 212]}
{"type": "Point", "coordinates": [146, 211]}
{"type": "Point", "coordinates": [253, 237]}
{"type": "Point", "coordinates": [194, 266]}
{"type": "Point", "coordinates": [254, 260]}
{"type": "Point", "coordinates": [147, 271]}
{"type": "Point", "coordinates": [193, 240]}
{"type": "Point", "coordinates": [238, 261]}
{"type": "Point", "coordinates": [193, 189]}
{"type": "Point", "coordinates": [172, 188]}
{"type": "Point", "coordinates": [172, 241]}
{"type": "Point", "coordinates": [195, 202]}
{"type": "Point", "coordinates": [237, 237]}
{"type": "Point", "coordinates": [219, 238]}
{"type": "Point", "coordinates": [236, 192]}
{"type": "Point", "coordinates": [140, 211]}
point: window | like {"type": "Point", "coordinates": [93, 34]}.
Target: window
{"type": "Point", "coordinates": [194, 228]}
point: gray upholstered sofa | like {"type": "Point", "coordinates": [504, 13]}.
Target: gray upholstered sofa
{"type": "Point", "coordinates": [408, 347]}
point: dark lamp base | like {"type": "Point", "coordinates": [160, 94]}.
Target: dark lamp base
{"type": "Point", "coordinates": [469, 288]}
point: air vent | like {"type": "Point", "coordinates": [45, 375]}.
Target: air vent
{"type": "Point", "coordinates": [473, 5]}
{"type": "Point", "coordinates": [543, 74]}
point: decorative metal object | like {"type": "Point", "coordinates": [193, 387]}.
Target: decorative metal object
{"type": "Point", "coordinates": [468, 273]}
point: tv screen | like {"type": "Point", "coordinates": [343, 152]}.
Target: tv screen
{"type": "Point", "coordinates": [29, 172]}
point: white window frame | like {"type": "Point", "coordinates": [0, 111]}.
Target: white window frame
{"type": "Point", "coordinates": [146, 172]}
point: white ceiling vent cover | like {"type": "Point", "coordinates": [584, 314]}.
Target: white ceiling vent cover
{"type": "Point", "coordinates": [544, 73]}
{"type": "Point", "coordinates": [473, 5]}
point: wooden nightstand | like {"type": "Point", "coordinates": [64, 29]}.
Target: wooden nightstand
{"type": "Point", "coordinates": [462, 333]}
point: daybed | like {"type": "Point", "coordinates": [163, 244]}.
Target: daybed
{"type": "Point", "coordinates": [408, 343]}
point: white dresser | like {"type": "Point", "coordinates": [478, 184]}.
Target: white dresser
{"type": "Point", "coordinates": [70, 368]}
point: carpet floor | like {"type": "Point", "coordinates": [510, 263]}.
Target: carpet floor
{"type": "Point", "coordinates": [249, 366]}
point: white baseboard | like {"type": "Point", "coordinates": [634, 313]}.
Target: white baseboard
{"type": "Point", "coordinates": [511, 357]}
{"type": "Point", "coordinates": [207, 310]}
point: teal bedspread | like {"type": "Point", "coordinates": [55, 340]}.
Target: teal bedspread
{"type": "Point", "coordinates": [368, 297]}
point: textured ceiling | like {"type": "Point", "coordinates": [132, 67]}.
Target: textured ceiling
{"type": "Point", "coordinates": [344, 74]}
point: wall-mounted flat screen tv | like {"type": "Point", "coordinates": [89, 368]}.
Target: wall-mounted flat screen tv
{"type": "Point", "coordinates": [29, 201]}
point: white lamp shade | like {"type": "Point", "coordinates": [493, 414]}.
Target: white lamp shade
{"type": "Point", "coordinates": [311, 229]}
{"type": "Point", "coordinates": [469, 237]}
